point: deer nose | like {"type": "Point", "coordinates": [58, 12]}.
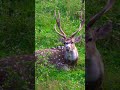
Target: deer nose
{"type": "Point", "coordinates": [67, 48]}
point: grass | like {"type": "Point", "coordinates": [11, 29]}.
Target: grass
{"type": "Point", "coordinates": [49, 78]}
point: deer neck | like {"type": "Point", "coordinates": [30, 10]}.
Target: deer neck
{"type": "Point", "coordinates": [71, 55]}
{"type": "Point", "coordinates": [92, 51]}
{"type": "Point", "coordinates": [94, 65]}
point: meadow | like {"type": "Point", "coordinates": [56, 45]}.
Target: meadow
{"type": "Point", "coordinates": [49, 78]}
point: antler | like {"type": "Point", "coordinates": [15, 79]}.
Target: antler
{"type": "Point", "coordinates": [98, 15]}
{"type": "Point", "coordinates": [59, 25]}
{"type": "Point", "coordinates": [80, 27]}
{"type": "Point", "coordinates": [59, 33]}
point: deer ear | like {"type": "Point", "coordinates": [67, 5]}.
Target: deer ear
{"type": "Point", "coordinates": [100, 33]}
{"type": "Point", "coordinates": [78, 39]}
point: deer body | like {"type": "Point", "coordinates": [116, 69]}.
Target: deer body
{"type": "Point", "coordinates": [59, 56]}
{"type": "Point", "coordinates": [94, 70]}
{"type": "Point", "coordinates": [94, 64]}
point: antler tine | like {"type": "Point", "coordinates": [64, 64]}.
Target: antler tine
{"type": "Point", "coordinates": [58, 23]}
{"type": "Point", "coordinates": [80, 26]}
{"type": "Point", "coordinates": [98, 15]}
{"type": "Point", "coordinates": [58, 32]}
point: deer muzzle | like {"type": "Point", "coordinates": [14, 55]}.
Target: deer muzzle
{"type": "Point", "coordinates": [67, 47]}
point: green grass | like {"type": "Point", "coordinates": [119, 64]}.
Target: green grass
{"type": "Point", "coordinates": [49, 78]}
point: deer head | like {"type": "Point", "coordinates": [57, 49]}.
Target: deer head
{"type": "Point", "coordinates": [70, 50]}
{"type": "Point", "coordinates": [69, 43]}
{"type": "Point", "coordinates": [94, 64]}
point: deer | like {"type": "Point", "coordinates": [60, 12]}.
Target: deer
{"type": "Point", "coordinates": [63, 55]}
{"type": "Point", "coordinates": [94, 67]}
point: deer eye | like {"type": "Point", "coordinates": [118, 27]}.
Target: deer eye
{"type": "Point", "coordinates": [90, 39]}
{"type": "Point", "coordinates": [65, 43]}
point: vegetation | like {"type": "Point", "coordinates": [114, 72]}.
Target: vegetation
{"type": "Point", "coordinates": [49, 78]}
